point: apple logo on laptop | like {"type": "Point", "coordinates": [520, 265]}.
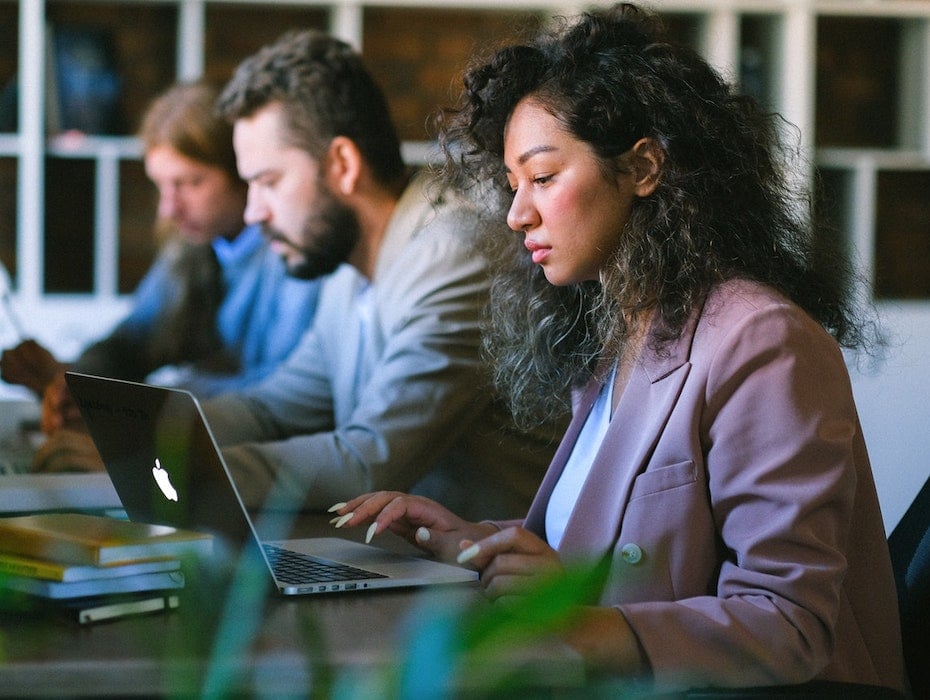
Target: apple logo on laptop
{"type": "Point", "coordinates": [164, 481]}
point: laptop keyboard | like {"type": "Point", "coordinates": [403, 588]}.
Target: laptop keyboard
{"type": "Point", "coordinates": [295, 568]}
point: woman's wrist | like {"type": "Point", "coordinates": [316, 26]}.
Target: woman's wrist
{"type": "Point", "coordinates": [606, 642]}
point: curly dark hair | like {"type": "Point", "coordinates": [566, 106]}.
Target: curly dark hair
{"type": "Point", "coordinates": [726, 204]}
{"type": "Point", "coordinates": [326, 91]}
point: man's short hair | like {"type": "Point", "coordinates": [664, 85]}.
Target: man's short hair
{"type": "Point", "coordinates": [325, 90]}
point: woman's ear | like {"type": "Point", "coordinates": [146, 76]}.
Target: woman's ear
{"type": "Point", "coordinates": [343, 165]}
{"type": "Point", "coordinates": [648, 161]}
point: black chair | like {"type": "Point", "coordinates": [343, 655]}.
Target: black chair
{"type": "Point", "coordinates": [909, 544]}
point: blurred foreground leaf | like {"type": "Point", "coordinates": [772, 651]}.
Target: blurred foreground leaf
{"type": "Point", "coordinates": [479, 649]}
{"type": "Point", "coordinates": [547, 607]}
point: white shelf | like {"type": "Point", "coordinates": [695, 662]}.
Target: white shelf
{"type": "Point", "coordinates": [790, 28]}
{"type": "Point", "coordinates": [874, 158]}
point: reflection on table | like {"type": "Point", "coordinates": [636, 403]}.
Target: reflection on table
{"type": "Point", "coordinates": [363, 644]}
{"type": "Point", "coordinates": [22, 491]}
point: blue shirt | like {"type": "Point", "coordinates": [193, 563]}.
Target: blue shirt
{"type": "Point", "coordinates": [263, 314]}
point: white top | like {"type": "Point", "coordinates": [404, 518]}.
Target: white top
{"type": "Point", "coordinates": [565, 493]}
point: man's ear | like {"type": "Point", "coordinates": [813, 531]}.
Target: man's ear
{"type": "Point", "coordinates": [648, 161]}
{"type": "Point", "coordinates": [343, 165]}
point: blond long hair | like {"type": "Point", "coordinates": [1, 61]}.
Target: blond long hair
{"type": "Point", "coordinates": [185, 119]}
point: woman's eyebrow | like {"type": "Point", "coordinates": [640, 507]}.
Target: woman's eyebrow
{"type": "Point", "coordinates": [532, 152]}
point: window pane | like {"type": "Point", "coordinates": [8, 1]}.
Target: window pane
{"type": "Point", "coordinates": [902, 235]}
{"type": "Point", "coordinates": [234, 33]}
{"type": "Point", "coordinates": [832, 187]}
{"type": "Point", "coordinates": [9, 49]}
{"type": "Point", "coordinates": [759, 35]}
{"type": "Point", "coordinates": [857, 81]}
{"type": "Point", "coordinates": [142, 39]}
{"type": "Point", "coordinates": [69, 232]}
{"type": "Point", "coordinates": [420, 67]}
{"type": "Point", "coordinates": [8, 215]}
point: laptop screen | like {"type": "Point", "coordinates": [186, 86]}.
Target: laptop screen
{"type": "Point", "coordinates": [160, 456]}
{"type": "Point", "coordinates": [167, 469]}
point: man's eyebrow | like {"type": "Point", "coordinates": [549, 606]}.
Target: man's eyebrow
{"type": "Point", "coordinates": [254, 176]}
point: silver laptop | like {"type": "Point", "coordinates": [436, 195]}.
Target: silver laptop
{"type": "Point", "coordinates": [166, 467]}
{"type": "Point", "coordinates": [21, 490]}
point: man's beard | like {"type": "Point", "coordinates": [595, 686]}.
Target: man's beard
{"type": "Point", "coordinates": [332, 231]}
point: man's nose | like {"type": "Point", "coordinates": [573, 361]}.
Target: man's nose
{"type": "Point", "coordinates": [256, 210]}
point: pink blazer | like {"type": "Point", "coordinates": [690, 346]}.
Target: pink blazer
{"type": "Point", "coordinates": [734, 494]}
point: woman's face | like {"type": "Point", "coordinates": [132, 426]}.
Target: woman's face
{"type": "Point", "coordinates": [571, 213]}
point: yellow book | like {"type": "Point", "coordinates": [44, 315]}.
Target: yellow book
{"type": "Point", "coordinates": [80, 538]}
{"type": "Point", "coordinates": [16, 565]}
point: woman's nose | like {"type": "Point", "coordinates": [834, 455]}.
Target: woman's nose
{"type": "Point", "coordinates": [522, 215]}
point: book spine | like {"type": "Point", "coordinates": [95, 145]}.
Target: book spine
{"type": "Point", "coordinates": [43, 570]}
{"type": "Point", "coordinates": [13, 566]}
{"type": "Point", "coordinates": [40, 546]}
{"type": "Point", "coordinates": [82, 589]}
{"type": "Point", "coordinates": [166, 549]}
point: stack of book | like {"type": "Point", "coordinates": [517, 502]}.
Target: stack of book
{"type": "Point", "coordinates": [93, 567]}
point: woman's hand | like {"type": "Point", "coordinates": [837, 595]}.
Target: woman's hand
{"type": "Point", "coordinates": [507, 559]}
{"type": "Point", "coordinates": [510, 560]}
{"type": "Point", "coordinates": [68, 451]}
{"type": "Point", "coordinates": [422, 522]}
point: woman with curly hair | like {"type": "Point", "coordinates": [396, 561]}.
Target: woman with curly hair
{"type": "Point", "coordinates": [667, 281]}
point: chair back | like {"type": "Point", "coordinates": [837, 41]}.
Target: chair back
{"type": "Point", "coordinates": [909, 544]}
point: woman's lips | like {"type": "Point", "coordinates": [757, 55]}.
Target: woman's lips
{"type": "Point", "coordinates": [539, 253]}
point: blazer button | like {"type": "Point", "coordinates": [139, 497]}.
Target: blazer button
{"type": "Point", "coordinates": [631, 553]}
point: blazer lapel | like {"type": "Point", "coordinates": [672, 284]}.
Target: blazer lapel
{"type": "Point", "coordinates": [536, 517]}
{"type": "Point", "coordinates": [635, 428]}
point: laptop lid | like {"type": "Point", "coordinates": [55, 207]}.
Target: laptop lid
{"type": "Point", "coordinates": [166, 467]}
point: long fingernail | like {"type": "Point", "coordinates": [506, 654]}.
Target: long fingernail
{"type": "Point", "coordinates": [338, 506]}
{"type": "Point", "coordinates": [371, 532]}
{"type": "Point", "coordinates": [422, 534]}
{"type": "Point", "coordinates": [344, 519]}
{"type": "Point", "coordinates": [335, 520]}
{"type": "Point", "coordinates": [467, 555]}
